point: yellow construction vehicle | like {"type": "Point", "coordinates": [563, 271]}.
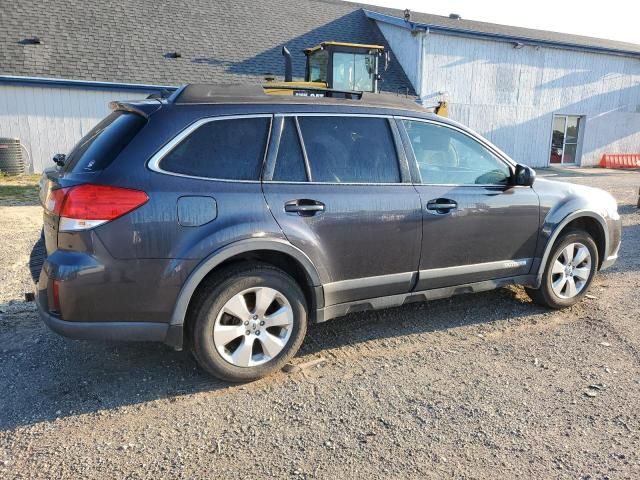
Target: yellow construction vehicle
{"type": "Point", "coordinates": [337, 66]}
{"type": "Point", "coordinates": [337, 69]}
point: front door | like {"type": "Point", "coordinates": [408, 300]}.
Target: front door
{"type": "Point", "coordinates": [341, 197]}
{"type": "Point", "coordinates": [476, 226]}
{"type": "Point", "coordinates": [564, 140]}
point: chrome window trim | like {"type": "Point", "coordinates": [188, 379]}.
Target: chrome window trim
{"type": "Point", "coordinates": [333, 114]}
{"type": "Point", "coordinates": [343, 183]}
{"type": "Point", "coordinates": [499, 155]}
{"type": "Point", "coordinates": [154, 162]}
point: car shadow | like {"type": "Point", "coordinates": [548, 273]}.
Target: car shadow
{"type": "Point", "coordinates": [44, 376]}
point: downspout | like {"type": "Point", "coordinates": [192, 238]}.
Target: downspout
{"type": "Point", "coordinates": [420, 73]}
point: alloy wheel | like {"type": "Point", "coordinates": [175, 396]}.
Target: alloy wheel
{"type": "Point", "coordinates": [571, 270]}
{"type": "Point", "coordinates": [253, 327]}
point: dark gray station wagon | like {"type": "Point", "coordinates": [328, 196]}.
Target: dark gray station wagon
{"type": "Point", "coordinates": [227, 219]}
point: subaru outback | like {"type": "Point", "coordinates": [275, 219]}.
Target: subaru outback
{"type": "Point", "coordinates": [226, 220]}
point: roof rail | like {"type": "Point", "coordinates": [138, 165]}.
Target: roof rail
{"type": "Point", "coordinates": [209, 93]}
{"type": "Point", "coordinates": [243, 94]}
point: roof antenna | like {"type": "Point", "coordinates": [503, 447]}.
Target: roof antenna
{"type": "Point", "coordinates": [288, 68]}
{"type": "Point", "coordinates": [407, 15]}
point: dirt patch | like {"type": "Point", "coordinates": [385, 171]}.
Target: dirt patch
{"type": "Point", "coordinates": [478, 386]}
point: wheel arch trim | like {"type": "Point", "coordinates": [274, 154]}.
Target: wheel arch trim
{"type": "Point", "coordinates": [229, 251]}
{"type": "Point", "coordinates": [560, 227]}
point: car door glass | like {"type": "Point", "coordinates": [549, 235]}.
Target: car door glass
{"type": "Point", "coordinates": [350, 149]}
{"type": "Point", "coordinates": [224, 149]}
{"type": "Point", "coordinates": [290, 161]}
{"type": "Point", "coordinates": [448, 157]}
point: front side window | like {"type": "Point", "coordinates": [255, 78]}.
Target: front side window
{"type": "Point", "coordinates": [350, 149]}
{"type": "Point", "coordinates": [223, 149]}
{"type": "Point", "coordinates": [448, 157]}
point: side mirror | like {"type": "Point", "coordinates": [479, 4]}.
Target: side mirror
{"type": "Point", "coordinates": [524, 176]}
{"type": "Point", "coordinates": [59, 159]}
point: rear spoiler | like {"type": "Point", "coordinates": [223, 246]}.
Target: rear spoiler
{"type": "Point", "coordinates": [144, 109]}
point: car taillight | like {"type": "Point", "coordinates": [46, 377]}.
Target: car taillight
{"type": "Point", "coordinates": [53, 202]}
{"type": "Point", "coordinates": [87, 206]}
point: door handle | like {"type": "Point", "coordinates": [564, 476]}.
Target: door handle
{"type": "Point", "coordinates": [304, 207]}
{"type": "Point", "coordinates": [442, 205]}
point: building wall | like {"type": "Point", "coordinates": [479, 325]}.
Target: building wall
{"type": "Point", "coordinates": [50, 120]}
{"type": "Point", "coordinates": [510, 95]}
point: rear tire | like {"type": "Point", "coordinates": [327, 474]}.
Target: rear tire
{"type": "Point", "coordinates": [569, 271]}
{"type": "Point", "coordinates": [248, 323]}
{"type": "Point", "coordinates": [37, 257]}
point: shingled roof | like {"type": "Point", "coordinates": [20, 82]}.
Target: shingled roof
{"type": "Point", "coordinates": [221, 41]}
{"type": "Point", "coordinates": [464, 25]}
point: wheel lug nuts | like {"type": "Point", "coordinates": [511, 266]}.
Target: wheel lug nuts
{"type": "Point", "coordinates": [247, 322]}
{"type": "Point", "coordinates": [255, 317]}
{"type": "Point", "coordinates": [248, 332]}
{"type": "Point", "coordinates": [262, 323]}
{"type": "Point", "coordinates": [257, 332]}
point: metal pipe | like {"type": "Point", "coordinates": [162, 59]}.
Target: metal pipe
{"type": "Point", "coordinates": [288, 67]}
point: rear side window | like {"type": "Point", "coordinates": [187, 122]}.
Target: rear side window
{"type": "Point", "coordinates": [104, 142]}
{"type": "Point", "coordinates": [225, 149]}
{"type": "Point", "coordinates": [350, 150]}
{"type": "Point", "coordinates": [290, 161]}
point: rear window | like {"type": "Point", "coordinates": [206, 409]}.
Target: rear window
{"type": "Point", "coordinates": [222, 149]}
{"type": "Point", "coordinates": [104, 142]}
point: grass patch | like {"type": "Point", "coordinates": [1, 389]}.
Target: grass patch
{"type": "Point", "coordinates": [19, 190]}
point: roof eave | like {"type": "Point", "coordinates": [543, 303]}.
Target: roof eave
{"type": "Point", "coordinates": [84, 84]}
{"type": "Point", "coordinates": [460, 32]}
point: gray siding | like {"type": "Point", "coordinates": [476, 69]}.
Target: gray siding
{"type": "Point", "coordinates": [52, 120]}
{"type": "Point", "coordinates": [510, 95]}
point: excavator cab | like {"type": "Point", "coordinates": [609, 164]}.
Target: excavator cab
{"type": "Point", "coordinates": [345, 66]}
{"type": "Point", "coordinates": [333, 69]}
{"type": "Point", "coordinates": [339, 70]}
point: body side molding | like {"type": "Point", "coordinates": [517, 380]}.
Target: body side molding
{"type": "Point", "coordinates": [475, 268]}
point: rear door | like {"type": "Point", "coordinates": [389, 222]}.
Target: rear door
{"type": "Point", "coordinates": [340, 189]}
{"type": "Point", "coordinates": [476, 225]}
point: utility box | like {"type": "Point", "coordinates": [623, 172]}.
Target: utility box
{"type": "Point", "coordinates": [11, 159]}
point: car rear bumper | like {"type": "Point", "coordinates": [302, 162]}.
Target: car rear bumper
{"type": "Point", "coordinates": [117, 331]}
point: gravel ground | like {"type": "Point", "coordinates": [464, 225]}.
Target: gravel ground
{"type": "Point", "coordinates": [477, 386]}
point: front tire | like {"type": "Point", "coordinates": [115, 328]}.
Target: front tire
{"type": "Point", "coordinates": [249, 323]}
{"type": "Point", "coordinates": [569, 271]}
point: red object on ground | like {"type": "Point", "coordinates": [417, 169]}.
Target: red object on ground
{"type": "Point", "coordinates": [620, 160]}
